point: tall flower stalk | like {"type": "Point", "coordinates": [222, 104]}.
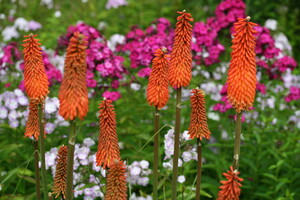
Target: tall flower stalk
{"type": "Point", "coordinates": [180, 76]}
{"type": "Point", "coordinates": [158, 96]}
{"type": "Point", "coordinates": [36, 85]}
{"type": "Point", "coordinates": [108, 148]}
{"type": "Point", "coordinates": [73, 97]}
{"type": "Point", "coordinates": [198, 128]}
{"type": "Point", "coordinates": [241, 76]}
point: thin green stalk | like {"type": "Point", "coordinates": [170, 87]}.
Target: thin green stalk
{"type": "Point", "coordinates": [237, 141]}
{"type": "Point", "coordinates": [176, 145]}
{"type": "Point", "coordinates": [199, 169]}
{"type": "Point", "coordinates": [42, 150]}
{"type": "Point", "coordinates": [37, 170]}
{"type": "Point", "coordinates": [156, 154]}
{"type": "Point", "coordinates": [70, 163]}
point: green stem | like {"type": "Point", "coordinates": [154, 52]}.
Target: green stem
{"type": "Point", "coordinates": [199, 169]}
{"type": "Point", "coordinates": [42, 150]}
{"type": "Point", "coordinates": [237, 141]}
{"type": "Point", "coordinates": [156, 154]}
{"type": "Point", "coordinates": [37, 170]}
{"type": "Point", "coordinates": [70, 160]}
{"type": "Point", "coordinates": [176, 145]}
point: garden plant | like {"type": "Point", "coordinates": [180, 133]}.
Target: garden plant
{"type": "Point", "coordinates": [158, 100]}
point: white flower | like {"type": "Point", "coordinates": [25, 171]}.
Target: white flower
{"type": "Point", "coordinates": [10, 32]}
{"type": "Point", "coordinates": [18, 92]}
{"type": "Point", "coordinates": [186, 156]}
{"type": "Point", "coordinates": [88, 142]}
{"type": "Point", "coordinates": [213, 115]}
{"type": "Point", "coordinates": [135, 86]}
{"type": "Point", "coordinates": [115, 3]}
{"type": "Point", "coordinates": [185, 136]}
{"type": "Point", "coordinates": [23, 101]}
{"type": "Point", "coordinates": [271, 24]}
{"type": "Point", "coordinates": [144, 164]}
{"type": "Point", "coordinates": [57, 14]}
{"type": "Point", "coordinates": [135, 170]}
{"type": "Point", "coordinates": [50, 107]}
{"type": "Point", "coordinates": [282, 42]}
{"type": "Point", "coordinates": [48, 3]}
{"type": "Point", "coordinates": [115, 40]}
{"type": "Point", "coordinates": [181, 179]}
{"type": "Point", "coordinates": [22, 24]}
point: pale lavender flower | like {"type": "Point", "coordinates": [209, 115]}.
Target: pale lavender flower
{"type": "Point", "coordinates": [21, 24]}
{"type": "Point", "coordinates": [144, 164]}
{"type": "Point", "coordinates": [115, 3]}
{"type": "Point", "coordinates": [143, 181]}
{"type": "Point", "coordinates": [13, 115]}
{"type": "Point", "coordinates": [135, 86]}
{"type": "Point", "coordinates": [57, 14]}
{"type": "Point", "coordinates": [77, 190]}
{"type": "Point", "coordinates": [33, 25]}
{"type": "Point", "coordinates": [10, 32]}
{"type": "Point", "coordinates": [82, 153]}
{"type": "Point", "coordinates": [49, 127]}
{"type": "Point", "coordinates": [181, 179]}
{"type": "Point", "coordinates": [50, 107]}
{"type": "Point", "coordinates": [18, 92]}
{"type": "Point", "coordinates": [22, 100]}
{"type": "Point", "coordinates": [3, 112]}
{"type": "Point", "coordinates": [88, 142]}
{"type": "Point", "coordinates": [135, 170]}
{"type": "Point", "coordinates": [50, 157]}
{"type": "Point", "coordinates": [87, 191]}
{"type": "Point", "coordinates": [14, 123]}
{"type": "Point", "coordinates": [12, 104]}
{"type": "Point", "coordinates": [186, 156]}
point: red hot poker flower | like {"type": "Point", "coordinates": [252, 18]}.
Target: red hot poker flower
{"type": "Point", "coordinates": [116, 188]}
{"type": "Point", "coordinates": [108, 148]}
{"type": "Point", "coordinates": [242, 68]}
{"type": "Point", "coordinates": [157, 91]}
{"type": "Point", "coordinates": [73, 93]}
{"type": "Point", "coordinates": [230, 190]}
{"type": "Point", "coordinates": [198, 124]}
{"type": "Point", "coordinates": [180, 71]}
{"type": "Point", "coordinates": [35, 78]}
{"type": "Point", "coordinates": [32, 124]}
{"type": "Point", "coordinates": [59, 183]}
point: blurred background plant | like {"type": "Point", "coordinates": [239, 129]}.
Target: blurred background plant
{"type": "Point", "coordinates": [123, 35]}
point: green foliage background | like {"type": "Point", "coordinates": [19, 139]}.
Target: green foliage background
{"type": "Point", "coordinates": [270, 162]}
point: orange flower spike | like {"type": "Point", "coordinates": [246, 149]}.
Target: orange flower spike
{"type": "Point", "coordinates": [116, 188]}
{"type": "Point", "coordinates": [108, 148]}
{"type": "Point", "coordinates": [180, 72]}
{"type": "Point", "coordinates": [59, 183]}
{"type": "Point", "coordinates": [242, 68]}
{"type": "Point", "coordinates": [157, 91]}
{"type": "Point", "coordinates": [73, 93]}
{"type": "Point", "coordinates": [230, 190]}
{"type": "Point", "coordinates": [198, 124]}
{"type": "Point", "coordinates": [32, 124]}
{"type": "Point", "coordinates": [35, 79]}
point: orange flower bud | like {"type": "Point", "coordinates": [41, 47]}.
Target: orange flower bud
{"type": "Point", "coordinates": [116, 188]}
{"type": "Point", "coordinates": [73, 93]}
{"type": "Point", "coordinates": [108, 148]}
{"type": "Point", "coordinates": [180, 72]}
{"type": "Point", "coordinates": [230, 190]}
{"type": "Point", "coordinates": [242, 69]}
{"type": "Point", "coordinates": [59, 183]}
{"type": "Point", "coordinates": [157, 91]}
{"type": "Point", "coordinates": [35, 78]}
{"type": "Point", "coordinates": [198, 124]}
{"type": "Point", "coordinates": [32, 124]}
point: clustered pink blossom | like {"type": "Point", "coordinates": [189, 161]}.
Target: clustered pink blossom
{"type": "Point", "coordinates": [293, 95]}
{"type": "Point", "coordinates": [100, 58]}
{"type": "Point", "coordinates": [11, 54]}
{"type": "Point", "coordinates": [142, 44]}
{"type": "Point", "coordinates": [111, 95]}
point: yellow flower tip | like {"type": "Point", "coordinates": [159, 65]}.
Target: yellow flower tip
{"type": "Point", "coordinates": [248, 18]}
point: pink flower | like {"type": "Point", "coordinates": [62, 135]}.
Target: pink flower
{"type": "Point", "coordinates": [111, 95]}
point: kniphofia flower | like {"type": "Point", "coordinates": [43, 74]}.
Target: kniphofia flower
{"type": "Point", "coordinates": [180, 71]}
{"type": "Point", "coordinates": [35, 79]}
{"type": "Point", "coordinates": [116, 188]}
{"type": "Point", "coordinates": [198, 123]}
{"type": "Point", "coordinates": [108, 148]}
{"type": "Point", "coordinates": [73, 93]}
{"type": "Point", "coordinates": [242, 68]}
{"type": "Point", "coordinates": [59, 183]}
{"type": "Point", "coordinates": [230, 189]}
{"type": "Point", "coordinates": [157, 91]}
{"type": "Point", "coordinates": [32, 124]}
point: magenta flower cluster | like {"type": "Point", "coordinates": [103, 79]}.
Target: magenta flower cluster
{"type": "Point", "coordinates": [100, 58]}
{"type": "Point", "coordinates": [141, 45]}
{"type": "Point", "coordinates": [11, 54]}
{"type": "Point", "coordinates": [293, 95]}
